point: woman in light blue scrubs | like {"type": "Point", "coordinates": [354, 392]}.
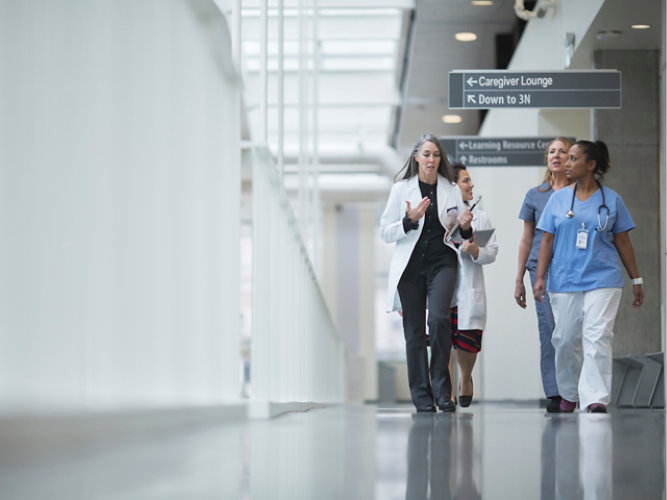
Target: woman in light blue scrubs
{"type": "Point", "coordinates": [585, 247]}
{"type": "Point", "coordinates": [536, 199]}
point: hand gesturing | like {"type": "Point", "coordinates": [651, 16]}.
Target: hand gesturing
{"type": "Point", "coordinates": [414, 214]}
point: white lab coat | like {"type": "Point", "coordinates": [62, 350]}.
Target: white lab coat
{"type": "Point", "coordinates": [470, 294]}
{"type": "Point", "coordinates": [450, 203]}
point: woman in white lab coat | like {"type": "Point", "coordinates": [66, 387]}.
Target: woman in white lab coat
{"type": "Point", "coordinates": [468, 314]}
{"type": "Point", "coordinates": [423, 208]}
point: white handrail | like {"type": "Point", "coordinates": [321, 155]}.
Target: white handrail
{"type": "Point", "coordinates": [296, 352]}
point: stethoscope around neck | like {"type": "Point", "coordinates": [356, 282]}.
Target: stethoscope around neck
{"type": "Point", "coordinates": [570, 213]}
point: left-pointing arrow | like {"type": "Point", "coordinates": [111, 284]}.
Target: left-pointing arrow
{"type": "Point", "coordinates": [471, 81]}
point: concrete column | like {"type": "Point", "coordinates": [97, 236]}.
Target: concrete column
{"type": "Point", "coordinates": [347, 294]}
{"type": "Point", "coordinates": [367, 241]}
{"type": "Point", "coordinates": [663, 166]}
{"type": "Point", "coordinates": [632, 135]}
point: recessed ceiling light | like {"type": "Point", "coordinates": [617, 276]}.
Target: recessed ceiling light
{"type": "Point", "coordinates": [481, 2]}
{"type": "Point", "coordinates": [640, 26]}
{"type": "Point", "coordinates": [465, 36]}
{"type": "Point", "coordinates": [452, 118]}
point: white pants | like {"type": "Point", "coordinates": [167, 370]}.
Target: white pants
{"type": "Point", "coordinates": [582, 340]}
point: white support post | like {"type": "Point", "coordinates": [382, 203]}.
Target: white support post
{"type": "Point", "coordinates": [263, 73]}
{"type": "Point", "coordinates": [315, 211]}
{"type": "Point", "coordinates": [281, 89]}
{"type": "Point", "coordinates": [236, 35]}
{"type": "Point", "coordinates": [303, 115]}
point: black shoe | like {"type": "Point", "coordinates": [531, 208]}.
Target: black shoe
{"type": "Point", "coordinates": [465, 401]}
{"type": "Point", "coordinates": [553, 406]}
{"type": "Point", "coordinates": [426, 409]}
{"type": "Point", "coordinates": [446, 405]}
{"type": "Point", "coordinates": [596, 408]}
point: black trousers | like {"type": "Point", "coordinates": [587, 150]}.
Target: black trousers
{"type": "Point", "coordinates": [436, 289]}
{"type": "Point", "coordinates": [432, 454]}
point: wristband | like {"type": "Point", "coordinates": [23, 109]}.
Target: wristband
{"type": "Point", "coordinates": [637, 281]}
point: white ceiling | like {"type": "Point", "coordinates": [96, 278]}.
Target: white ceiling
{"type": "Point", "coordinates": [381, 79]}
{"type": "Point", "coordinates": [358, 59]}
{"type": "Point", "coordinates": [382, 76]}
{"type": "Point", "coordinates": [618, 15]}
{"type": "Point", "coordinates": [434, 52]}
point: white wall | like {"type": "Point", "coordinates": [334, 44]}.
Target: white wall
{"type": "Point", "coordinates": [542, 45]}
{"type": "Point", "coordinates": [348, 284]}
{"type": "Point", "coordinates": [509, 364]}
{"type": "Point", "coordinates": [120, 199]}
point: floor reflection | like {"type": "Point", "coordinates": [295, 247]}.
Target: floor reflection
{"type": "Point", "coordinates": [560, 458]}
{"type": "Point", "coordinates": [343, 452]}
{"type": "Point", "coordinates": [440, 457]}
{"type": "Point", "coordinates": [581, 453]}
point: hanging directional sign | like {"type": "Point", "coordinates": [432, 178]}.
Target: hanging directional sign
{"type": "Point", "coordinates": [555, 89]}
{"type": "Point", "coordinates": [497, 151]}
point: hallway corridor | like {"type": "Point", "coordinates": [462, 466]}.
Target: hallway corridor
{"type": "Point", "coordinates": [490, 451]}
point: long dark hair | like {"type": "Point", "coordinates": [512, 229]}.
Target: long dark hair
{"type": "Point", "coordinates": [457, 168]}
{"type": "Point", "coordinates": [412, 168]}
{"type": "Point", "coordinates": [596, 151]}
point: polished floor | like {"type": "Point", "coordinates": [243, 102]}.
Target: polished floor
{"type": "Point", "coordinates": [490, 451]}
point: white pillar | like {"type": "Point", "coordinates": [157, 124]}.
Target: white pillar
{"type": "Point", "coordinates": [281, 89]}
{"type": "Point", "coordinates": [315, 209]}
{"type": "Point", "coordinates": [263, 73]}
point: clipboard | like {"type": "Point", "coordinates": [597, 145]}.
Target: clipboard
{"type": "Point", "coordinates": [483, 236]}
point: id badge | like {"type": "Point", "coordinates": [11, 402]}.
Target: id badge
{"type": "Point", "coordinates": [582, 237]}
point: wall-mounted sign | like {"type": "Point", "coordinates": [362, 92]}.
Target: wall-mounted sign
{"type": "Point", "coordinates": [476, 151]}
{"type": "Point", "coordinates": [556, 89]}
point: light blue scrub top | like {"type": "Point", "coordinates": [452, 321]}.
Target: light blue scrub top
{"type": "Point", "coordinates": [599, 265]}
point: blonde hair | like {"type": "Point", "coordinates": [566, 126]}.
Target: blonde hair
{"type": "Point", "coordinates": [548, 175]}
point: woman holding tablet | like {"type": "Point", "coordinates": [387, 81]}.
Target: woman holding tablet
{"type": "Point", "coordinates": [468, 314]}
